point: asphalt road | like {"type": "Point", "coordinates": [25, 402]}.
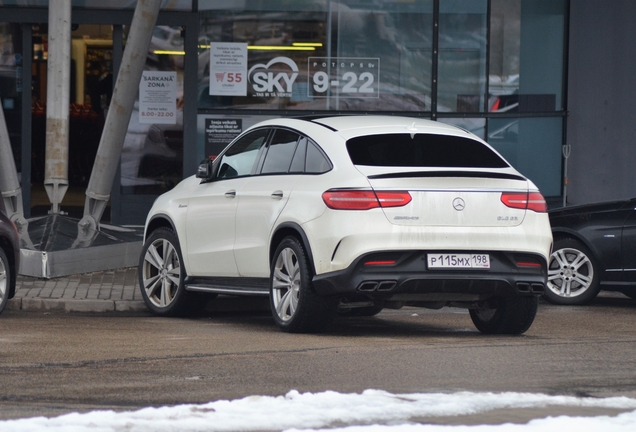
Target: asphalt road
{"type": "Point", "coordinates": [54, 363]}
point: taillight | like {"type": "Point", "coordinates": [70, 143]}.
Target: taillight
{"type": "Point", "coordinates": [523, 200]}
{"type": "Point", "coordinates": [380, 263]}
{"type": "Point", "coordinates": [351, 199]}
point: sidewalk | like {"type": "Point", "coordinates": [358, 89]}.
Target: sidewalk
{"type": "Point", "coordinates": [114, 291]}
{"type": "Point", "coordinates": [104, 291]}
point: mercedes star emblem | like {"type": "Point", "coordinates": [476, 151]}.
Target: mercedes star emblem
{"type": "Point", "coordinates": [459, 204]}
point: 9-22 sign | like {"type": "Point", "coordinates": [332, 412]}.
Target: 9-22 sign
{"type": "Point", "coordinates": [345, 77]}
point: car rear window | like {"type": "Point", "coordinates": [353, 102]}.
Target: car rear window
{"type": "Point", "coordinates": [422, 150]}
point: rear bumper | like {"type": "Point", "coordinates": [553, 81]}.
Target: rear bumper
{"type": "Point", "coordinates": [410, 279]}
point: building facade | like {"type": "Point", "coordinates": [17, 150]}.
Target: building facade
{"type": "Point", "coordinates": [521, 74]}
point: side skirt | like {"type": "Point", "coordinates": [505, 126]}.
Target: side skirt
{"type": "Point", "coordinates": [233, 286]}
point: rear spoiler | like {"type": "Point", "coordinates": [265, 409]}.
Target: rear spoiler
{"type": "Point", "coordinates": [469, 174]}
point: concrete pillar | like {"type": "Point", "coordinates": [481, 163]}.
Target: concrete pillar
{"type": "Point", "coordinates": [57, 102]}
{"type": "Point", "coordinates": [119, 112]}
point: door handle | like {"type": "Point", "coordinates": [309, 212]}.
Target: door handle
{"type": "Point", "coordinates": [277, 194]}
{"type": "Point", "coordinates": [230, 194]}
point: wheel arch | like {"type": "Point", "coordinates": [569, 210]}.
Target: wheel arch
{"type": "Point", "coordinates": [561, 234]}
{"type": "Point", "coordinates": [158, 221]}
{"type": "Point", "coordinates": [293, 229]}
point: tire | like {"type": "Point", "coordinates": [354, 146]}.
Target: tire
{"type": "Point", "coordinates": [5, 279]}
{"type": "Point", "coordinates": [506, 315]}
{"type": "Point", "coordinates": [296, 307]}
{"type": "Point", "coordinates": [162, 275]}
{"type": "Point", "coordinates": [573, 275]}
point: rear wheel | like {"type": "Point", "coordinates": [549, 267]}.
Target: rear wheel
{"type": "Point", "coordinates": [162, 275]}
{"type": "Point", "coordinates": [505, 315]}
{"type": "Point", "coordinates": [5, 279]}
{"type": "Point", "coordinates": [573, 277]}
{"type": "Point", "coordinates": [296, 308]}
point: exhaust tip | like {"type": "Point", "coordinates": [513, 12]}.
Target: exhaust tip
{"type": "Point", "coordinates": [386, 285]}
{"type": "Point", "coordinates": [368, 286]}
{"type": "Point", "coordinates": [524, 287]}
{"type": "Point", "coordinates": [538, 288]}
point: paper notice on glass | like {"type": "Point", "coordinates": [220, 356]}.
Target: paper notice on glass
{"type": "Point", "coordinates": [158, 97]}
{"type": "Point", "coordinates": [228, 69]}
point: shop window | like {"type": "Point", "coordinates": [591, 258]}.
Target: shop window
{"type": "Point", "coordinates": [526, 56]}
{"type": "Point", "coordinates": [533, 147]}
{"type": "Point", "coordinates": [462, 55]}
{"type": "Point", "coordinates": [346, 56]}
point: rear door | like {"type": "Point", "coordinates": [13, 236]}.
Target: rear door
{"type": "Point", "coordinates": [628, 243]}
{"type": "Point", "coordinates": [262, 199]}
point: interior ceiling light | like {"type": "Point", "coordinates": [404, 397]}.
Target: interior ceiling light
{"type": "Point", "coordinates": [166, 52]}
{"type": "Point", "coordinates": [280, 48]}
{"type": "Point", "coordinates": [296, 46]}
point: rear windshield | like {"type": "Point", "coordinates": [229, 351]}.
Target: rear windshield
{"type": "Point", "coordinates": [422, 150]}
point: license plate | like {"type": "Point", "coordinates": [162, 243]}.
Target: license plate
{"type": "Point", "coordinates": [458, 261]}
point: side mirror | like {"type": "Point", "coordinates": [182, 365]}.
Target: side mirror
{"type": "Point", "coordinates": [205, 170]}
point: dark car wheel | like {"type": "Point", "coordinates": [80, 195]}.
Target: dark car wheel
{"type": "Point", "coordinates": [505, 315]}
{"type": "Point", "coordinates": [5, 279]}
{"type": "Point", "coordinates": [295, 306]}
{"type": "Point", "coordinates": [162, 275]}
{"type": "Point", "coordinates": [573, 276]}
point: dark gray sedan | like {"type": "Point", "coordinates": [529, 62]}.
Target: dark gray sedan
{"type": "Point", "coordinates": [594, 249]}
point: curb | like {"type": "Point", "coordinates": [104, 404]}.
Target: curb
{"type": "Point", "coordinates": [221, 304]}
{"type": "Point", "coordinates": [70, 305]}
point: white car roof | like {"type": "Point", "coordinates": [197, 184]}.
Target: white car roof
{"type": "Point", "coordinates": [349, 126]}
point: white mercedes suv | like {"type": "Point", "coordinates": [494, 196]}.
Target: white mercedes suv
{"type": "Point", "coordinates": [349, 215]}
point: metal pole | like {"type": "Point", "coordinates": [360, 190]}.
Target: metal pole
{"type": "Point", "coordinates": [57, 102]}
{"type": "Point", "coordinates": [567, 148]}
{"type": "Point", "coordinates": [9, 183]}
{"type": "Point", "coordinates": [119, 112]}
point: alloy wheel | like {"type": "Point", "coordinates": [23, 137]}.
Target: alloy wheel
{"type": "Point", "coordinates": [4, 280]}
{"type": "Point", "coordinates": [161, 272]}
{"type": "Point", "coordinates": [286, 284]}
{"type": "Point", "coordinates": [570, 272]}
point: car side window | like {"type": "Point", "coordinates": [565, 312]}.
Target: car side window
{"type": "Point", "coordinates": [316, 161]}
{"type": "Point", "coordinates": [239, 159]}
{"type": "Point", "coordinates": [298, 162]}
{"type": "Point", "coordinates": [280, 152]}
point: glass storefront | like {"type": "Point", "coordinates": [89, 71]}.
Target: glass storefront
{"type": "Point", "coordinates": [342, 56]}
{"type": "Point", "coordinates": [493, 67]}
{"type": "Point", "coordinates": [183, 5]}
{"type": "Point", "coordinates": [11, 86]}
{"type": "Point", "coordinates": [462, 55]}
{"type": "Point", "coordinates": [152, 155]}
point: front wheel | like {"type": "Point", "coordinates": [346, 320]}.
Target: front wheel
{"type": "Point", "coordinates": [296, 308]}
{"type": "Point", "coordinates": [573, 277]}
{"type": "Point", "coordinates": [505, 315]}
{"type": "Point", "coordinates": [162, 275]}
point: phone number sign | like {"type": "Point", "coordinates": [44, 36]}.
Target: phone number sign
{"type": "Point", "coordinates": [345, 77]}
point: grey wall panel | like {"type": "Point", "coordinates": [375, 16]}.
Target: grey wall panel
{"type": "Point", "coordinates": [602, 100]}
